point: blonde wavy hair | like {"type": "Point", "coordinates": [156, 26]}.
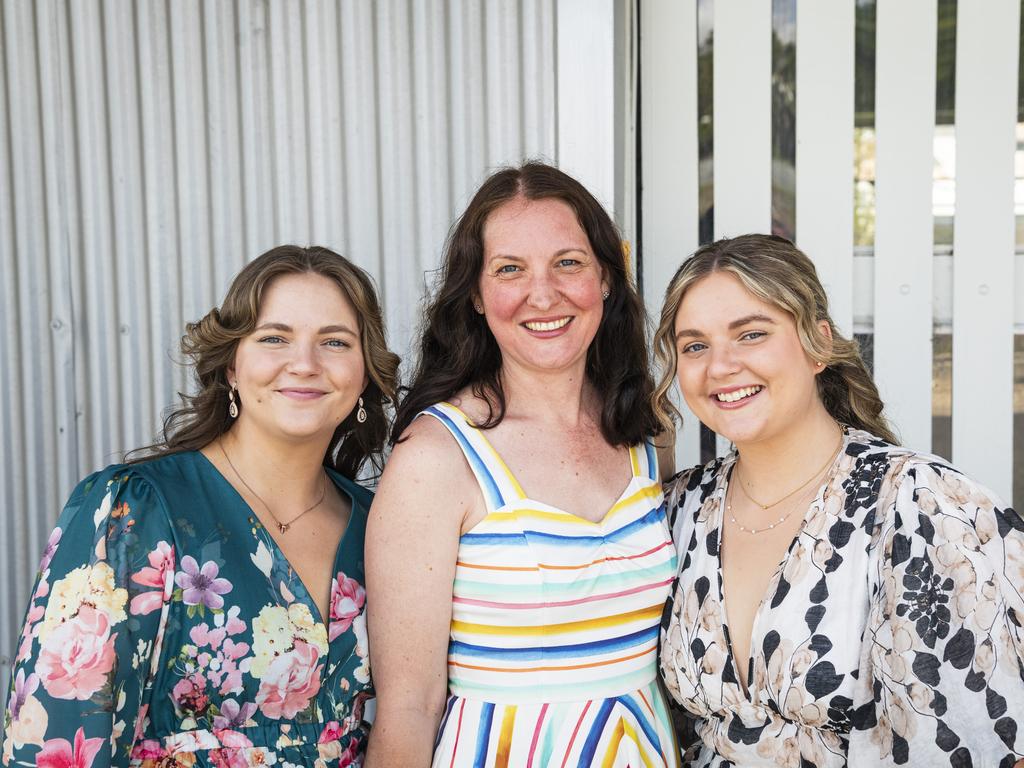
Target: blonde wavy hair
{"type": "Point", "coordinates": [210, 343]}
{"type": "Point", "coordinates": [777, 272]}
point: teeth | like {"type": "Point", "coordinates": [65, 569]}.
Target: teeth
{"type": "Point", "coordinates": [554, 325]}
{"type": "Point", "coordinates": [738, 394]}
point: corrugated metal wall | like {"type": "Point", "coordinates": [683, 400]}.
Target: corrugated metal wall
{"type": "Point", "coordinates": [148, 149]}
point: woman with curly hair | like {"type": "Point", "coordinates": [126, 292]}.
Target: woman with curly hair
{"type": "Point", "coordinates": [518, 556]}
{"type": "Point", "coordinates": [840, 600]}
{"type": "Point", "coordinates": [202, 604]}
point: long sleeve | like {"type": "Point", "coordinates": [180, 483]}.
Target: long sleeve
{"type": "Point", "coordinates": [943, 650]}
{"type": "Point", "coordinates": [93, 630]}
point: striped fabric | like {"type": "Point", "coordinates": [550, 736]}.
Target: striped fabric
{"type": "Point", "coordinates": [555, 625]}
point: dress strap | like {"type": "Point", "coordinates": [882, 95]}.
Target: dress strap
{"type": "Point", "coordinates": [497, 483]}
{"type": "Point", "coordinates": [644, 460]}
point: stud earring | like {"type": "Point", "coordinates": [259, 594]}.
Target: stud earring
{"type": "Point", "coordinates": [361, 412]}
{"type": "Point", "coordinates": [819, 364]}
{"type": "Point", "coordinates": [605, 294]}
{"type": "Point", "coordinates": [232, 405]}
{"type": "Point", "coordinates": [479, 308]}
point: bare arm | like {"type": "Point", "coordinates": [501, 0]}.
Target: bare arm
{"type": "Point", "coordinates": [412, 542]}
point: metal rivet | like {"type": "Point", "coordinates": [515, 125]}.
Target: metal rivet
{"type": "Point", "coordinates": [904, 289]}
{"type": "Point", "coordinates": [125, 329]}
{"type": "Point", "coordinates": [56, 323]}
{"type": "Point", "coordinates": [983, 289]}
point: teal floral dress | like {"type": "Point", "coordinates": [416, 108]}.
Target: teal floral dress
{"type": "Point", "coordinates": [166, 628]}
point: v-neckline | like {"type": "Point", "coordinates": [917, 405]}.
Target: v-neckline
{"type": "Point", "coordinates": [634, 475]}
{"type": "Point", "coordinates": [722, 490]}
{"type": "Point", "coordinates": [309, 600]}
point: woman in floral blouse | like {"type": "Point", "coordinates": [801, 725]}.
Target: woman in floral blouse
{"type": "Point", "coordinates": [203, 605]}
{"type": "Point", "coordinates": [840, 600]}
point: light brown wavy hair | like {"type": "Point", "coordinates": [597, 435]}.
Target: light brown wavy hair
{"type": "Point", "coordinates": [777, 272]}
{"type": "Point", "coordinates": [210, 345]}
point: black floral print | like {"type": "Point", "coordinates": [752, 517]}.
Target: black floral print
{"type": "Point", "coordinates": [891, 634]}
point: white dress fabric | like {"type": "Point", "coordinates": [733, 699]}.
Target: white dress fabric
{"type": "Point", "coordinates": [890, 633]}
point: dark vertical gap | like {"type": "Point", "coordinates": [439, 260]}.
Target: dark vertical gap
{"type": "Point", "coordinates": [864, 154]}
{"type": "Point", "coordinates": [705, 156]}
{"type": "Point", "coordinates": [942, 338]}
{"type": "Point", "coordinates": [784, 118]}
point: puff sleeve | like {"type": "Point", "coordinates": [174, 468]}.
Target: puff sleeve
{"type": "Point", "coordinates": [93, 629]}
{"type": "Point", "coordinates": [943, 649]}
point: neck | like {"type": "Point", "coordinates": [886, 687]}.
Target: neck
{"type": "Point", "coordinates": [557, 396]}
{"type": "Point", "coordinates": [774, 466]}
{"type": "Point", "coordinates": [276, 469]}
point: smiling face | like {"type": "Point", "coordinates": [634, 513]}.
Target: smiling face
{"type": "Point", "coordinates": [741, 366]}
{"type": "Point", "coordinates": [301, 370]}
{"type": "Point", "coordinates": [540, 285]}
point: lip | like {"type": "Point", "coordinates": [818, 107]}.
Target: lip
{"type": "Point", "coordinates": [713, 397]}
{"type": "Point", "coordinates": [550, 333]}
{"type": "Point", "coordinates": [301, 393]}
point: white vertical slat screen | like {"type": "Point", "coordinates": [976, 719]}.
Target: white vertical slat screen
{"type": "Point", "coordinates": [586, 104]}
{"type": "Point", "coordinates": [669, 205]}
{"type": "Point", "coordinates": [742, 117]}
{"type": "Point", "coordinates": [905, 126]}
{"type": "Point", "coordinates": [824, 147]}
{"type": "Point", "coordinates": [152, 149]}
{"type": "Point", "coordinates": [987, 47]}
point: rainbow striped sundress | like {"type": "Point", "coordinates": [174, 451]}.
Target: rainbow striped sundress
{"type": "Point", "coordinates": [552, 656]}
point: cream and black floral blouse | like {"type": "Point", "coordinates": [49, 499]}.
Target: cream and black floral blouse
{"type": "Point", "coordinates": [890, 634]}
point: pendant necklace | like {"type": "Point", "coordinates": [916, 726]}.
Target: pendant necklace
{"type": "Point", "coordinates": [282, 527]}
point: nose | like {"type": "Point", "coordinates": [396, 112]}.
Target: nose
{"type": "Point", "coordinates": [305, 358]}
{"type": "Point", "coordinates": [544, 292]}
{"type": "Point", "coordinates": [722, 362]}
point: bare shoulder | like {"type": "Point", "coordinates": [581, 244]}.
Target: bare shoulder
{"type": "Point", "coordinates": [427, 472]}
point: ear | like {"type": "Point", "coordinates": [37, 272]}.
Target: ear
{"type": "Point", "coordinates": [826, 331]}
{"type": "Point", "coordinates": [232, 381]}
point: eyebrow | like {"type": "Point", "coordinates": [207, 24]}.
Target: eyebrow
{"type": "Point", "coordinates": [272, 326]}
{"type": "Point", "coordinates": [556, 254]}
{"type": "Point", "coordinates": [738, 323]}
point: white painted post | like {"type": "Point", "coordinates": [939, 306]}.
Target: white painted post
{"type": "Point", "coordinates": [586, 86]}
{"type": "Point", "coordinates": [824, 147]}
{"type": "Point", "coordinates": [905, 124]}
{"type": "Point", "coordinates": [742, 120]}
{"type": "Point", "coordinates": [668, 49]}
{"type": "Point", "coordinates": [983, 241]}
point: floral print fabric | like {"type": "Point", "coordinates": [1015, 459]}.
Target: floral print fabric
{"type": "Point", "coordinates": [166, 628]}
{"type": "Point", "coordinates": [890, 634]}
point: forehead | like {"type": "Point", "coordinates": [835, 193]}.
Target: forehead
{"type": "Point", "coordinates": [304, 294]}
{"type": "Point", "coordinates": [720, 298]}
{"type": "Point", "coordinates": [521, 221]}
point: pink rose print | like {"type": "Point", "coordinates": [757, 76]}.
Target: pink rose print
{"type": "Point", "coordinates": [149, 749]}
{"type": "Point", "coordinates": [351, 754]}
{"type": "Point", "coordinates": [189, 694]}
{"type": "Point", "coordinates": [77, 656]}
{"type": "Point", "coordinates": [161, 562]}
{"type": "Point", "coordinates": [201, 586]}
{"type": "Point", "coordinates": [347, 600]}
{"type": "Point", "coordinates": [331, 732]}
{"type": "Point", "coordinates": [58, 753]}
{"type": "Point", "coordinates": [290, 681]}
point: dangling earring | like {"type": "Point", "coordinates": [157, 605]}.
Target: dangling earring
{"type": "Point", "coordinates": [361, 412]}
{"type": "Point", "coordinates": [232, 405]}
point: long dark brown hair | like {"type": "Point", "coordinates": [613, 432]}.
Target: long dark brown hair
{"type": "Point", "coordinates": [210, 345]}
{"type": "Point", "coordinates": [777, 272]}
{"type": "Point", "coordinates": [457, 350]}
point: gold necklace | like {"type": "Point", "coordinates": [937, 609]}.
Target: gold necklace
{"type": "Point", "coordinates": [800, 487]}
{"type": "Point", "coordinates": [282, 527]}
{"type": "Point", "coordinates": [793, 507]}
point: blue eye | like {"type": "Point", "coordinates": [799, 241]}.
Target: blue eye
{"type": "Point", "coordinates": [337, 343]}
{"type": "Point", "coordinates": [568, 262]}
{"type": "Point", "coordinates": [270, 340]}
{"type": "Point", "coordinates": [695, 346]}
{"type": "Point", "coordinates": [753, 335]}
{"type": "Point", "coordinates": [507, 269]}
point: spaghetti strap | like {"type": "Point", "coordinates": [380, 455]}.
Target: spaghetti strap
{"type": "Point", "coordinates": [497, 483]}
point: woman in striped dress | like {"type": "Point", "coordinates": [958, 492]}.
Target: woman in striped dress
{"type": "Point", "coordinates": [518, 556]}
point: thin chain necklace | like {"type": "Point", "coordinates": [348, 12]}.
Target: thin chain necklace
{"type": "Point", "coordinates": [282, 527]}
{"type": "Point", "coordinates": [792, 508]}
